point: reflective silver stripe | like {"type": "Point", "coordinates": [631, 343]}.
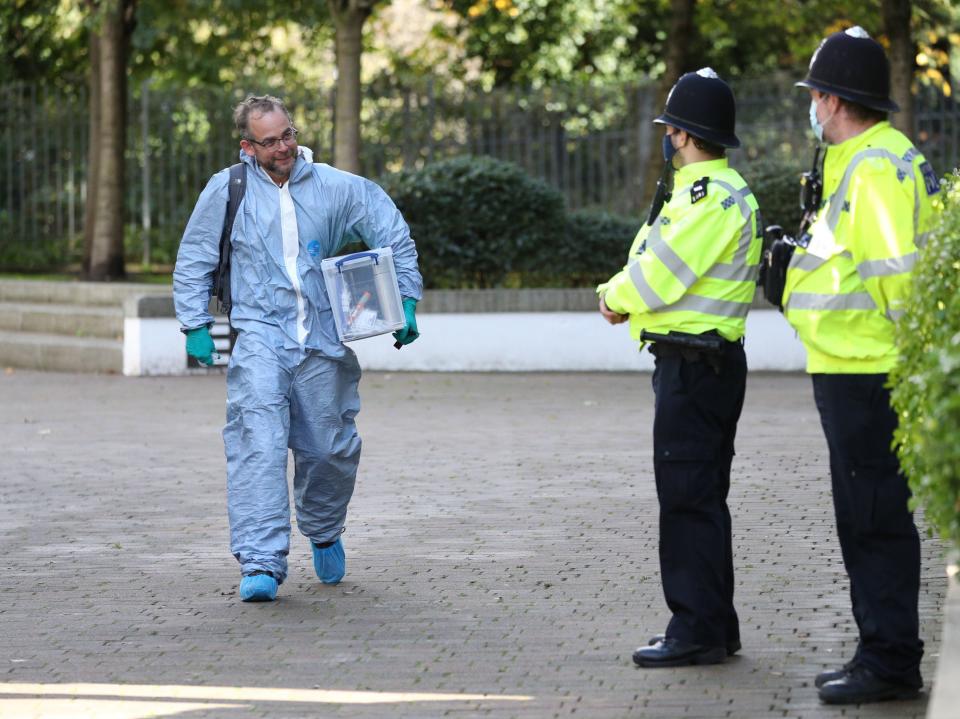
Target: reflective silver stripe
{"type": "Point", "coordinates": [836, 200]}
{"type": "Point", "coordinates": [675, 264]}
{"type": "Point", "coordinates": [921, 239]}
{"type": "Point", "coordinates": [895, 315]}
{"type": "Point", "coordinates": [866, 269]}
{"type": "Point", "coordinates": [708, 306]}
{"type": "Point", "coordinates": [746, 234]}
{"type": "Point", "coordinates": [815, 301]}
{"type": "Point", "coordinates": [888, 266]}
{"type": "Point", "coordinates": [916, 206]}
{"type": "Point", "coordinates": [653, 237]}
{"type": "Point", "coordinates": [737, 270]}
{"type": "Point", "coordinates": [643, 287]}
{"type": "Point", "coordinates": [805, 261]}
{"type": "Point", "coordinates": [735, 273]}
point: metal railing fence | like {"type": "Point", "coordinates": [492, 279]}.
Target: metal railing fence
{"type": "Point", "coordinates": [588, 142]}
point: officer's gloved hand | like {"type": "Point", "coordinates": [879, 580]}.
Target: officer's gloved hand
{"type": "Point", "coordinates": [200, 345]}
{"type": "Point", "coordinates": [408, 333]}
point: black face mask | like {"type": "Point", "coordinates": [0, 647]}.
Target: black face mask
{"type": "Point", "coordinates": [668, 150]}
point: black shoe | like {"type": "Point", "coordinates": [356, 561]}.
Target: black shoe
{"type": "Point", "coordinates": [832, 674]}
{"type": "Point", "coordinates": [733, 646]}
{"type": "Point", "coordinates": [674, 653]}
{"type": "Point", "coordinates": [860, 686]}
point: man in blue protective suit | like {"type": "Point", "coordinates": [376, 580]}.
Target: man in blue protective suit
{"type": "Point", "coordinates": [290, 382]}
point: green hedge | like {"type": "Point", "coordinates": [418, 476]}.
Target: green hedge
{"type": "Point", "coordinates": [926, 384]}
{"type": "Point", "coordinates": [476, 220]}
{"type": "Point", "coordinates": [593, 246]}
{"type": "Point", "coordinates": [481, 222]}
{"type": "Point", "coordinates": [776, 186]}
{"type": "Point", "coordinates": [35, 256]}
{"type": "Point", "coordinates": [61, 253]}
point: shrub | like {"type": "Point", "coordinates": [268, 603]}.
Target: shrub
{"type": "Point", "coordinates": [926, 383]}
{"type": "Point", "coordinates": [164, 243]}
{"type": "Point", "coordinates": [476, 219]}
{"type": "Point", "coordinates": [776, 185]}
{"type": "Point", "coordinates": [593, 248]}
{"type": "Point", "coordinates": [26, 252]}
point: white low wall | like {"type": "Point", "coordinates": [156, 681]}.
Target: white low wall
{"type": "Point", "coordinates": [156, 346]}
{"type": "Point", "coordinates": [486, 342]}
{"type": "Point", "coordinates": [562, 341]}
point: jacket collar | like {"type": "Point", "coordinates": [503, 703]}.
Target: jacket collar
{"type": "Point", "coordinates": [694, 171]}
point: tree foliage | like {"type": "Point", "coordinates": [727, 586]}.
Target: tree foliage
{"type": "Point", "coordinates": [41, 40]}
{"type": "Point", "coordinates": [534, 41]}
{"type": "Point", "coordinates": [504, 42]}
{"type": "Point", "coordinates": [215, 42]}
{"type": "Point", "coordinates": [176, 42]}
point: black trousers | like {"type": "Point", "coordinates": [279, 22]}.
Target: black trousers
{"type": "Point", "coordinates": [695, 422]}
{"type": "Point", "coordinates": [878, 539]}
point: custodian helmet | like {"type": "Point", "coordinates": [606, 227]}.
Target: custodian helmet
{"type": "Point", "coordinates": [703, 105]}
{"type": "Point", "coordinates": [852, 65]}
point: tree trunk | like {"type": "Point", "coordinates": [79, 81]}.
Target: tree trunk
{"type": "Point", "coordinates": [348, 17]}
{"type": "Point", "coordinates": [896, 25]}
{"type": "Point", "coordinates": [678, 40]}
{"type": "Point", "coordinates": [107, 251]}
{"type": "Point", "coordinates": [93, 150]}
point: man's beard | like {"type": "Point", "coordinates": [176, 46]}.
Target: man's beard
{"type": "Point", "coordinates": [274, 168]}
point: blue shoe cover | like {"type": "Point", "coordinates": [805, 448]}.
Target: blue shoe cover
{"type": "Point", "coordinates": [258, 588]}
{"type": "Point", "coordinates": [330, 562]}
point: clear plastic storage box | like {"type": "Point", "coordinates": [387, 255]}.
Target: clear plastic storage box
{"type": "Point", "coordinates": [363, 292]}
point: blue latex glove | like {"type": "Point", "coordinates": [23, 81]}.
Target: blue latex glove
{"type": "Point", "coordinates": [200, 345]}
{"type": "Point", "coordinates": [408, 333]}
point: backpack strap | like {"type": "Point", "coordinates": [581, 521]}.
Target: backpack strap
{"type": "Point", "coordinates": [236, 186]}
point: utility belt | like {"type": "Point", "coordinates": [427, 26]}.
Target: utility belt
{"type": "Point", "coordinates": [709, 347]}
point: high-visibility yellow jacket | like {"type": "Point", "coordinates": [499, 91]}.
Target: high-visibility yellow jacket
{"type": "Point", "coordinates": [695, 269]}
{"type": "Point", "coordinates": [847, 288]}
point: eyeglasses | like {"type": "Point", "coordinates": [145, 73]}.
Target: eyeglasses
{"type": "Point", "coordinates": [288, 137]}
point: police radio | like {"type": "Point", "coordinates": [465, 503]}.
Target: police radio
{"type": "Point", "coordinates": [774, 263]}
{"type": "Point", "coordinates": [662, 194]}
{"type": "Point", "coordinates": [811, 193]}
{"type": "Point", "coordinates": [780, 246]}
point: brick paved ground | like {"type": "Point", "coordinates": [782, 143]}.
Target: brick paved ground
{"type": "Point", "coordinates": [502, 541]}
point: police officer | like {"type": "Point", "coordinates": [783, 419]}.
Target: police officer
{"type": "Point", "coordinates": [688, 283]}
{"type": "Point", "coordinates": [845, 288]}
